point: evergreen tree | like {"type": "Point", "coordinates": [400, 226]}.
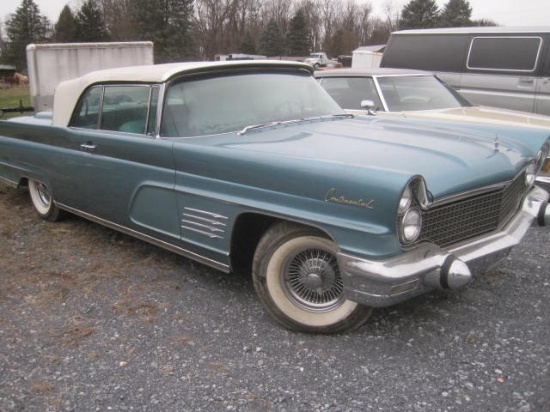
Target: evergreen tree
{"type": "Point", "coordinates": [3, 44]}
{"type": "Point", "coordinates": [167, 23]}
{"type": "Point", "coordinates": [248, 46]}
{"type": "Point", "coordinates": [25, 26]}
{"type": "Point", "coordinates": [272, 42]}
{"type": "Point", "coordinates": [90, 23]}
{"type": "Point", "coordinates": [456, 13]}
{"type": "Point", "coordinates": [483, 22]}
{"type": "Point", "coordinates": [299, 36]}
{"type": "Point", "coordinates": [65, 28]}
{"type": "Point", "coordinates": [419, 14]}
{"type": "Point", "coordinates": [344, 41]}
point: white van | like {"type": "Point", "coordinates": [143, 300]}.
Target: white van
{"type": "Point", "coordinates": [505, 67]}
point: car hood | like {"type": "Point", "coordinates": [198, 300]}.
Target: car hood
{"type": "Point", "coordinates": [474, 114]}
{"type": "Point", "coordinates": [484, 114]}
{"type": "Point", "coordinates": [451, 158]}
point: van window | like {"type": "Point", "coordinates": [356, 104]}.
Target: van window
{"type": "Point", "coordinates": [519, 54]}
{"type": "Point", "coordinates": [445, 53]}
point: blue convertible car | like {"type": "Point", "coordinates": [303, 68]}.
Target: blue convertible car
{"type": "Point", "coordinates": [251, 166]}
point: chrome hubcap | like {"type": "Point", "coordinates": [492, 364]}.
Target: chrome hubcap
{"type": "Point", "coordinates": [43, 194]}
{"type": "Point", "coordinates": [313, 281]}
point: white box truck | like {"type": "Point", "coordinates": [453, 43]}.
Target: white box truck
{"type": "Point", "coordinates": [50, 64]}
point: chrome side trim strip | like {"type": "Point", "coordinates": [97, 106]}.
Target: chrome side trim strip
{"type": "Point", "coordinates": [150, 239]}
{"type": "Point", "coordinates": [203, 219]}
{"type": "Point", "coordinates": [202, 232]}
{"type": "Point", "coordinates": [204, 212]}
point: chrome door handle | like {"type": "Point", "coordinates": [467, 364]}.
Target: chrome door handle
{"type": "Point", "coordinates": [88, 147]}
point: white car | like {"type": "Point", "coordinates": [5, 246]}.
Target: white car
{"type": "Point", "coordinates": [421, 95]}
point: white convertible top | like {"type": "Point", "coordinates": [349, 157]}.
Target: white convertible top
{"type": "Point", "coordinates": [68, 92]}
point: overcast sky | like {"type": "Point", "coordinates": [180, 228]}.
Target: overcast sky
{"type": "Point", "coordinates": [503, 12]}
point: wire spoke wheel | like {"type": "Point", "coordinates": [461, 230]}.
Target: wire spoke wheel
{"type": "Point", "coordinates": [312, 279]}
{"type": "Point", "coordinates": [43, 202]}
{"type": "Point", "coordinates": [298, 280]}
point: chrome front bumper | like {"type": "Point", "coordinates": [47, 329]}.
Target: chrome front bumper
{"type": "Point", "coordinates": [381, 283]}
{"type": "Point", "coordinates": [543, 182]}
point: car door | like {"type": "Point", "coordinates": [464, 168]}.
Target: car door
{"type": "Point", "coordinates": [127, 174]}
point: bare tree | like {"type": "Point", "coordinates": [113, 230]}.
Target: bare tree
{"type": "Point", "coordinates": [330, 13]}
{"type": "Point", "coordinates": [364, 24]}
{"type": "Point", "coordinates": [210, 20]}
{"type": "Point", "coordinates": [117, 18]}
{"type": "Point", "coordinates": [278, 11]}
{"type": "Point", "coordinates": [393, 15]}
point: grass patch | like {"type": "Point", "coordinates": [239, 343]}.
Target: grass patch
{"type": "Point", "coordinates": [14, 97]}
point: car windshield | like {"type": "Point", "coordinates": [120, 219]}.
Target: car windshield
{"type": "Point", "coordinates": [231, 103]}
{"type": "Point", "coordinates": [411, 93]}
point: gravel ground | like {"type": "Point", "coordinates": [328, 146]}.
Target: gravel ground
{"type": "Point", "coordinates": [92, 320]}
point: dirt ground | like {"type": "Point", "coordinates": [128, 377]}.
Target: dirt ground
{"type": "Point", "coordinates": [40, 260]}
{"type": "Point", "coordinates": [93, 320]}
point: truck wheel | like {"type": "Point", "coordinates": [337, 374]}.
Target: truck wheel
{"type": "Point", "coordinates": [296, 276]}
{"type": "Point", "coordinates": [42, 201]}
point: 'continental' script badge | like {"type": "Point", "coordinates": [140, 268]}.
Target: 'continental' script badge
{"type": "Point", "coordinates": [333, 196]}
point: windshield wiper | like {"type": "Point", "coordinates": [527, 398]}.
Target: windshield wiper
{"type": "Point", "coordinates": [280, 122]}
{"type": "Point", "coordinates": [348, 115]}
{"type": "Point", "coordinates": [258, 126]}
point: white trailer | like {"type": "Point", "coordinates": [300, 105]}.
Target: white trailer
{"type": "Point", "coordinates": [50, 64]}
{"type": "Point", "coordinates": [367, 57]}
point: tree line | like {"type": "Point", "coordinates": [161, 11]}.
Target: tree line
{"type": "Point", "coordinates": [199, 29]}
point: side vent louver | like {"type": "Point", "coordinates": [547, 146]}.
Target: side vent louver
{"type": "Point", "coordinates": [204, 223]}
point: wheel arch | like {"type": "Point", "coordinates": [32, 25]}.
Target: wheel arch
{"type": "Point", "coordinates": [247, 232]}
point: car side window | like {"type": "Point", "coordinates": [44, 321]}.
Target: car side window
{"type": "Point", "coordinates": [86, 114]}
{"type": "Point", "coordinates": [123, 108]}
{"type": "Point", "coordinates": [349, 92]}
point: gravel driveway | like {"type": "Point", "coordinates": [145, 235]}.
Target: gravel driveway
{"type": "Point", "coordinates": [92, 320]}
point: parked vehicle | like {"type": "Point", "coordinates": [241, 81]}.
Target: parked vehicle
{"type": "Point", "coordinates": [51, 63]}
{"type": "Point", "coordinates": [318, 60]}
{"type": "Point", "coordinates": [251, 166]}
{"type": "Point", "coordinates": [419, 95]}
{"type": "Point", "coordinates": [505, 67]}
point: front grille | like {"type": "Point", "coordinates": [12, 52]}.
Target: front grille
{"type": "Point", "coordinates": [472, 216]}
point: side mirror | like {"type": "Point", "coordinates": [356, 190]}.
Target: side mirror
{"type": "Point", "coordinates": [368, 105]}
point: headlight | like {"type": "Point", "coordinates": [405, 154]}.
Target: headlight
{"type": "Point", "coordinates": [538, 158]}
{"type": "Point", "coordinates": [405, 201]}
{"type": "Point", "coordinates": [414, 199]}
{"type": "Point", "coordinates": [530, 174]}
{"type": "Point", "coordinates": [411, 224]}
